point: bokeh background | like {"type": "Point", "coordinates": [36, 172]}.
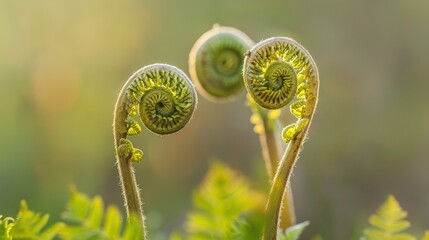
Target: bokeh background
{"type": "Point", "coordinates": [62, 64]}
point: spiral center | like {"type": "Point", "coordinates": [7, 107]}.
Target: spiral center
{"type": "Point", "coordinates": [227, 62]}
{"type": "Point", "coordinates": [160, 101]}
{"type": "Point", "coordinates": [165, 108]}
{"type": "Point", "coordinates": [279, 74]}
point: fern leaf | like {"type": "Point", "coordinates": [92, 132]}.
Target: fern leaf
{"type": "Point", "coordinates": [113, 222]}
{"type": "Point", "coordinates": [133, 229]}
{"type": "Point", "coordinates": [86, 220]}
{"type": "Point", "coordinates": [245, 229]}
{"type": "Point", "coordinates": [6, 226]}
{"type": "Point", "coordinates": [52, 231]}
{"type": "Point", "coordinates": [293, 232]}
{"type": "Point", "coordinates": [31, 225]}
{"type": "Point", "coordinates": [240, 230]}
{"type": "Point", "coordinates": [388, 222]}
{"type": "Point", "coordinates": [220, 202]}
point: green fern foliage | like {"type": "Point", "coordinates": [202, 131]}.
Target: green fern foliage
{"type": "Point", "coordinates": [293, 232]}
{"type": "Point", "coordinates": [388, 222]}
{"type": "Point", "coordinates": [225, 208]}
{"type": "Point", "coordinates": [85, 220]}
{"type": "Point", "coordinates": [246, 228]}
{"type": "Point", "coordinates": [32, 225]}
{"type": "Point", "coordinates": [6, 225]}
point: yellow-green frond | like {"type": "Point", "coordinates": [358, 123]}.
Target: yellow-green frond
{"type": "Point", "coordinates": [32, 225]}
{"type": "Point", "coordinates": [388, 223]}
{"type": "Point", "coordinates": [6, 226]}
{"type": "Point", "coordinates": [88, 219]}
{"type": "Point", "coordinates": [224, 206]}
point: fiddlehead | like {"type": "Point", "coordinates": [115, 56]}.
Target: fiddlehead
{"type": "Point", "coordinates": [164, 99]}
{"type": "Point", "coordinates": [277, 71]}
{"type": "Point", "coordinates": [216, 60]}
{"type": "Point", "coordinates": [215, 64]}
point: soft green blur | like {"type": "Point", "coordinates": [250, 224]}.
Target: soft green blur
{"type": "Point", "coordinates": [62, 64]}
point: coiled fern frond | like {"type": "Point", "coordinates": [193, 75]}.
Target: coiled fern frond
{"type": "Point", "coordinates": [216, 62]}
{"type": "Point", "coordinates": [164, 99]}
{"type": "Point", "coordinates": [279, 71]}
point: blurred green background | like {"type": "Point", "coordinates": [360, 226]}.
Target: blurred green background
{"type": "Point", "coordinates": [62, 64]}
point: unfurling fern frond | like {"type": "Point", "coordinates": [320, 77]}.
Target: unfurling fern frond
{"type": "Point", "coordinates": [85, 218]}
{"type": "Point", "coordinates": [224, 205]}
{"type": "Point", "coordinates": [32, 225]}
{"type": "Point", "coordinates": [164, 99]}
{"type": "Point", "coordinates": [278, 72]}
{"type": "Point", "coordinates": [292, 232]}
{"type": "Point", "coordinates": [388, 223]}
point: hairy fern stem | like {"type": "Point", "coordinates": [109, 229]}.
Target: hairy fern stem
{"type": "Point", "coordinates": [130, 189]}
{"type": "Point", "coordinates": [266, 126]}
{"type": "Point", "coordinates": [164, 99]}
{"type": "Point", "coordinates": [276, 72]}
{"type": "Point", "coordinates": [270, 151]}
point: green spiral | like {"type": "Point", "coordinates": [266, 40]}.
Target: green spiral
{"type": "Point", "coordinates": [216, 61]}
{"type": "Point", "coordinates": [164, 98]}
{"type": "Point", "coordinates": [276, 70]}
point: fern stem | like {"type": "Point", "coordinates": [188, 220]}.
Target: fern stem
{"type": "Point", "coordinates": [271, 156]}
{"type": "Point", "coordinates": [270, 152]}
{"type": "Point", "coordinates": [130, 189]}
{"type": "Point", "coordinates": [287, 215]}
{"type": "Point", "coordinates": [280, 181]}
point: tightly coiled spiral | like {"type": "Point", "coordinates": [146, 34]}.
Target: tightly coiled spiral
{"type": "Point", "coordinates": [164, 98]}
{"type": "Point", "coordinates": [216, 60]}
{"type": "Point", "coordinates": [278, 69]}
